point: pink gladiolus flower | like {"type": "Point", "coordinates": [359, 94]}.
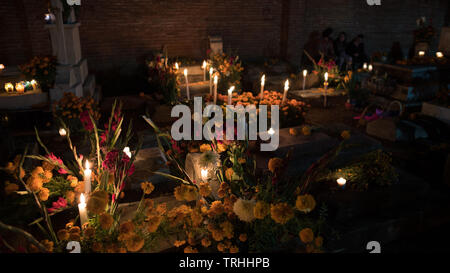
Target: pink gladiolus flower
{"type": "Point", "coordinates": [60, 203]}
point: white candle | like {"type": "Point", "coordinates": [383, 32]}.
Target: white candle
{"type": "Point", "coordinates": [2, 66]}
{"type": "Point", "coordinates": [326, 87]}
{"type": "Point", "coordinates": [439, 54]}
{"type": "Point", "coordinates": [127, 151]}
{"type": "Point", "coordinates": [176, 66]}
{"type": "Point", "coordinates": [370, 67]}
{"type": "Point", "coordinates": [305, 72]}
{"type": "Point", "coordinates": [187, 83]}
{"type": "Point", "coordinates": [230, 94]}
{"type": "Point", "coordinates": [271, 131]}
{"type": "Point", "coordinates": [421, 53]}
{"type": "Point", "coordinates": [87, 178]}
{"type": "Point", "coordinates": [341, 182]}
{"type": "Point", "coordinates": [263, 80]}
{"type": "Point", "coordinates": [211, 70]}
{"type": "Point", "coordinates": [82, 210]}
{"type": "Point", "coordinates": [204, 174]}
{"type": "Point", "coordinates": [286, 88]}
{"type": "Point", "coordinates": [365, 66]}
{"type": "Point", "coordinates": [62, 132]}
{"type": "Point", "coordinates": [216, 80]}
{"type": "Point", "coordinates": [204, 70]}
{"type": "Point", "coordinates": [34, 84]}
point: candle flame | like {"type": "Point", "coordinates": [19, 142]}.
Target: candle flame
{"type": "Point", "coordinates": [341, 181]}
{"type": "Point", "coordinates": [127, 151]}
{"type": "Point", "coordinates": [370, 67]}
{"type": "Point", "coordinates": [263, 80]}
{"type": "Point", "coordinates": [305, 72]}
{"type": "Point", "coordinates": [176, 66]}
{"type": "Point", "coordinates": [87, 165]}
{"type": "Point", "coordinates": [365, 65]}
{"type": "Point", "coordinates": [326, 76]}
{"type": "Point", "coordinates": [211, 70]}
{"type": "Point", "coordinates": [33, 82]}
{"type": "Point", "coordinates": [439, 54]}
{"type": "Point", "coordinates": [82, 199]}
{"type": "Point", "coordinates": [204, 173]}
{"type": "Point", "coordinates": [185, 72]}
{"type": "Point", "coordinates": [204, 65]}
{"type": "Point", "coordinates": [215, 79]}
{"type": "Point", "coordinates": [62, 132]}
{"type": "Point", "coordinates": [421, 53]}
{"type": "Point", "coordinates": [286, 85]}
{"type": "Point", "coordinates": [2, 66]}
{"type": "Point", "coordinates": [271, 131]}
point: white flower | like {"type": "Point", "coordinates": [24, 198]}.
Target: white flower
{"type": "Point", "coordinates": [244, 209]}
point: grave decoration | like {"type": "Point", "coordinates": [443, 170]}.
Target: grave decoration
{"type": "Point", "coordinates": [163, 78]}
{"type": "Point", "coordinates": [326, 66]}
{"type": "Point", "coordinates": [229, 69]}
{"type": "Point", "coordinates": [72, 110]}
{"type": "Point", "coordinates": [41, 69]}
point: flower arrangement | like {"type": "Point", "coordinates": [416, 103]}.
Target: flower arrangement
{"type": "Point", "coordinates": [72, 110]}
{"type": "Point", "coordinates": [163, 78]}
{"type": "Point", "coordinates": [42, 69]}
{"type": "Point", "coordinates": [229, 69]}
{"type": "Point", "coordinates": [423, 33]}
{"type": "Point", "coordinates": [292, 113]}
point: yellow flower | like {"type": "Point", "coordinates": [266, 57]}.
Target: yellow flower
{"type": "Point", "coordinates": [97, 202]}
{"type": "Point", "coordinates": [221, 147]}
{"type": "Point", "coordinates": [281, 213]}
{"type": "Point", "coordinates": [306, 130]}
{"type": "Point", "coordinates": [261, 210]}
{"type": "Point", "coordinates": [147, 187]}
{"type": "Point", "coordinates": [185, 192]}
{"type": "Point", "coordinates": [47, 176]}
{"type": "Point", "coordinates": [43, 194]}
{"type": "Point", "coordinates": [106, 220]}
{"type": "Point", "coordinates": [204, 189]}
{"type": "Point", "coordinates": [306, 235]}
{"type": "Point", "coordinates": [229, 174]}
{"type": "Point", "coordinates": [37, 171]}
{"type": "Point", "coordinates": [345, 134]}
{"type": "Point", "coordinates": [205, 147]}
{"type": "Point", "coordinates": [134, 243]}
{"type": "Point", "coordinates": [305, 203]}
{"type": "Point", "coordinates": [293, 131]}
{"type": "Point", "coordinates": [275, 164]}
{"type": "Point", "coordinates": [178, 243]}
{"type": "Point", "coordinates": [70, 196]}
{"type": "Point", "coordinates": [73, 180]}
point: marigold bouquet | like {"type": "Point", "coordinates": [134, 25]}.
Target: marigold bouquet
{"type": "Point", "coordinates": [229, 69]}
{"type": "Point", "coordinates": [42, 69]}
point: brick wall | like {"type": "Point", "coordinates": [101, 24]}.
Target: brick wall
{"type": "Point", "coordinates": [121, 32]}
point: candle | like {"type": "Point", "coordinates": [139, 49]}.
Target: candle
{"type": "Point", "coordinates": [365, 66]}
{"type": "Point", "coordinates": [34, 84]}
{"type": "Point", "coordinates": [9, 87]}
{"type": "Point", "coordinates": [439, 54]}
{"type": "Point", "coordinates": [263, 80]}
{"type": "Point", "coordinates": [176, 66]}
{"type": "Point", "coordinates": [187, 83]}
{"type": "Point", "coordinates": [421, 53]}
{"type": "Point", "coordinates": [87, 178]}
{"type": "Point", "coordinates": [341, 182]}
{"type": "Point", "coordinates": [211, 70]}
{"type": "Point", "coordinates": [215, 88]}
{"type": "Point", "coordinates": [286, 88]}
{"type": "Point", "coordinates": [2, 66]}
{"type": "Point", "coordinates": [82, 210]}
{"type": "Point", "coordinates": [204, 70]}
{"type": "Point", "coordinates": [230, 94]}
{"type": "Point", "coordinates": [204, 174]}
{"type": "Point", "coordinates": [370, 67]}
{"type": "Point", "coordinates": [62, 132]}
{"type": "Point", "coordinates": [325, 84]}
{"type": "Point", "coordinates": [305, 72]}
{"type": "Point", "coordinates": [20, 88]}
{"type": "Point", "coordinates": [127, 151]}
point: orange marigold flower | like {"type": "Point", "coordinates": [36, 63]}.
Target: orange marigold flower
{"type": "Point", "coordinates": [305, 203]}
{"type": "Point", "coordinates": [275, 164]}
{"type": "Point", "coordinates": [97, 202]}
{"type": "Point", "coordinates": [281, 213]}
{"type": "Point", "coordinates": [204, 189]}
{"type": "Point", "coordinates": [48, 245]}
{"type": "Point", "coordinates": [106, 220]}
{"type": "Point", "coordinates": [206, 242]}
{"type": "Point", "coordinates": [345, 134]}
{"type": "Point", "coordinates": [147, 187]}
{"type": "Point", "coordinates": [243, 237]}
{"type": "Point", "coordinates": [261, 210]}
{"type": "Point", "coordinates": [190, 249]}
{"type": "Point", "coordinates": [306, 235]}
{"type": "Point", "coordinates": [205, 147]}
{"type": "Point", "coordinates": [43, 194]}
{"type": "Point", "coordinates": [63, 235]}
{"type": "Point", "coordinates": [178, 243]}
{"type": "Point", "coordinates": [134, 243]}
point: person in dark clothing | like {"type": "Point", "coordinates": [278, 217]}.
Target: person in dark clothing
{"type": "Point", "coordinates": [340, 47]}
{"type": "Point", "coordinates": [356, 52]}
{"type": "Point", "coordinates": [326, 47]}
{"type": "Point", "coordinates": [312, 48]}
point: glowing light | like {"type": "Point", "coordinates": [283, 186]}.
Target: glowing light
{"type": "Point", "coordinates": [341, 181]}
{"type": "Point", "coordinates": [62, 132]}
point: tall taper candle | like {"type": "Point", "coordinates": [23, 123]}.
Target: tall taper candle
{"type": "Point", "coordinates": [82, 210]}
{"type": "Point", "coordinates": [211, 70]}
{"type": "Point", "coordinates": [215, 88]}
{"type": "Point", "coordinates": [305, 72]}
{"type": "Point", "coordinates": [286, 88]}
{"type": "Point", "coordinates": [230, 94]}
{"type": "Point", "coordinates": [204, 70]}
{"type": "Point", "coordinates": [187, 83]}
{"type": "Point", "coordinates": [263, 80]}
{"type": "Point", "coordinates": [87, 178]}
{"type": "Point", "coordinates": [325, 87]}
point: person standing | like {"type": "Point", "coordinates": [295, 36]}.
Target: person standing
{"type": "Point", "coordinates": [326, 47]}
{"type": "Point", "coordinates": [340, 47]}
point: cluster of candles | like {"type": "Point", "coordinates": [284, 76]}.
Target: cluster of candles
{"type": "Point", "coordinates": [368, 67]}
{"type": "Point", "coordinates": [20, 86]}
{"type": "Point", "coordinates": [439, 54]}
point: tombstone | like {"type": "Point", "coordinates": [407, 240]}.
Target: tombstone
{"type": "Point", "coordinates": [215, 44]}
{"type": "Point", "coordinates": [72, 70]}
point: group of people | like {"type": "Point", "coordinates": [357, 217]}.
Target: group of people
{"type": "Point", "coordinates": [347, 55]}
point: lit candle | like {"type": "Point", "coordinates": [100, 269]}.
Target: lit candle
{"type": "Point", "coordinates": [176, 66]}
{"type": "Point", "coordinates": [286, 88]}
{"type": "Point", "coordinates": [341, 182]}
{"type": "Point", "coordinates": [325, 84]}
{"type": "Point", "coordinates": [230, 94]}
{"type": "Point", "coordinates": [62, 132]}
{"type": "Point", "coordinates": [20, 88]}
{"type": "Point", "coordinates": [421, 53]}
{"type": "Point", "coordinates": [82, 210]}
{"type": "Point", "coordinates": [9, 87]}
{"type": "Point", "coordinates": [365, 66]}
{"type": "Point", "coordinates": [305, 72]}
{"type": "Point", "coordinates": [370, 67]}
{"type": "Point", "coordinates": [211, 70]}
{"type": "Point", "coordinates": [127, 151]}
{"type": "Point", "coordinates": [204, 70]}
{"type": "Point", "coordinates": [216, 80]}
{"type": "Point", "coordinates": [204, 173]}
{"type": "Point", "coordinates": [2, 66]}
{"type": "Point", "coordinates": [34, 84]}
{"type": "Point", "coordinates": [263, 80]}
{"type": "Point", "coordinates": [87, 178]}
{"type": "Point", "coordinates": [187, 83]}
{"type": "Point", "coordinates": [439, 54]}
